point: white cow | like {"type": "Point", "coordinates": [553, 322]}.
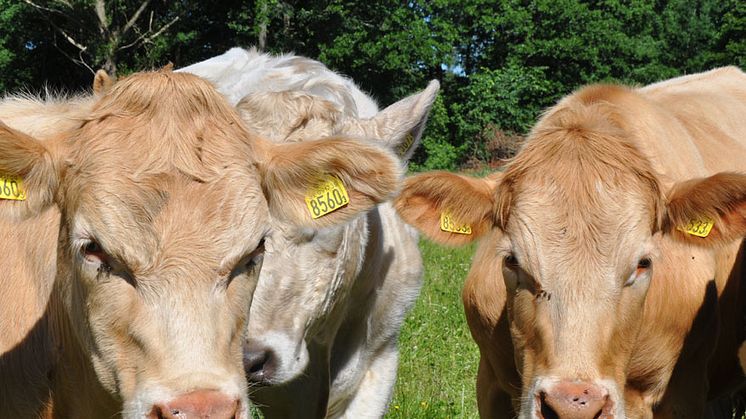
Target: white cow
{"type": "Point", "coordinates": [326, 314]}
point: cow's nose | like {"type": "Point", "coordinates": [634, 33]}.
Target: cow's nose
{"type": "Point", "coordinates": [574, 400]}
{"type": "Point", "coordinates": [200, 404]}
{"type": "Point", "coordinates": [259, 362]}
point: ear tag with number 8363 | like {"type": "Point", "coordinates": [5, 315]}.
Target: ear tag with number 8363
{"type": "Point", "coordinates": [448, 224]}
{"type": "Point", "coordinates": [699, 227]}
{"type": "Point", "coordinates": [11, 187]}
{"type": "Point", "coordinates": [327, 196]}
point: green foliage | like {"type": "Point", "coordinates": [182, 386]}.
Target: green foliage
{"type": "Point", "coordinates": [509, 98]}
{"type": "Point", "coordinates": [500, 62]}
{"type": "Point", "coordinates": [436, 151]}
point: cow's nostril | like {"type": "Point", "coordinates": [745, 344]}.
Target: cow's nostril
{"type": "Point", "coordinates": [259, 364]}
{"type": "Point", "coordinates": [546, 411]}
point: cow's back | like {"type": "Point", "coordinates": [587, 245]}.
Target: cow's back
{"type": "Point", "coordinates": [711, 108]}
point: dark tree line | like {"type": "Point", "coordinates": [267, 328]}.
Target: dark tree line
{"type": "Point", "coordinates": [500, 62]}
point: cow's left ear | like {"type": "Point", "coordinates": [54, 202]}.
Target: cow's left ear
{"type": "Point", "coordinates": [326, 182]}
{"type": "Point", "coordinates": [401, 125]}
{"type": "Point", "coordinates": [707, 211]}
{"type": "Point", "coordinates": [102, 82]}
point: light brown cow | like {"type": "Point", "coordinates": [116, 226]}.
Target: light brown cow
{"type": "Point", "coordinates": [585, 298]}
{"type": "Point", "coordinates": [126, 291]}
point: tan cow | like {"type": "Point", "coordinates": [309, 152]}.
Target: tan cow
{"type": "Point", "coordinates": [585, 296]}
{"type": "Point", "coordinates": [130, 265]}
{"type": "Point", "coordinates": [325, 318]}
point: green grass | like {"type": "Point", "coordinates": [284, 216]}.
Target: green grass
{"type": "Point", "coordinates": [438, 358]}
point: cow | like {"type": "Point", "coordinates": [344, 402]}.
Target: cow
{"type": "Point", "coordinates": [607, 279]}
{"type": "Point", "coordinates": [134, 224]}
{"type": "Point", "coordinates": [326, 314]}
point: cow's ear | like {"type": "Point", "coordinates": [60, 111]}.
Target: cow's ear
{"type": "Point", "coordinates": [102, 82]}
{"type": "Point", "coordinates": [401, 125]}
{"type": "Point", "coordinates": [707, 211]}
{"type": "Point", "coordinates": [448, 208]}
{"type": "Point", "coordinates": [326, 182]}
{"type": "Point", "coordinates": [28, 175]}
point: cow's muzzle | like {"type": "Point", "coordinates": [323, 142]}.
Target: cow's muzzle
{"type": "Point", "coordinates": [573, 400]}
{"type": "Point", "coordinates": [200, 404]}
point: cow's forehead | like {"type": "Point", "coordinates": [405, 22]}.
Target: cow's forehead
{"type": "Point", "coordinates": [571, 207]}
{"type": "Point", "coordinates": [161, 122]}
{"type": "Point", "coordinates": [552, 233]}
{"type": "Point", "coordinates": [153, 218]}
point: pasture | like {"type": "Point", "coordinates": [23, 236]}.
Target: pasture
{"type": "Point", "coordinates": [438, 363]}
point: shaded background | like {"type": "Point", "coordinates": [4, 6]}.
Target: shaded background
{"type": "Point", "coordinates": [500, 62]}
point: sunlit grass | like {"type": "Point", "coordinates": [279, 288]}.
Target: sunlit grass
{"type": "Point", "coordinates": [438, 360]}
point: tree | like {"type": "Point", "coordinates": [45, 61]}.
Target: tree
{"type": "Point", "coordinates": [92, 34]}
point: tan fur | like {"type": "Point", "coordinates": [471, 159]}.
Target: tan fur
{"type": "Point", "coordinates": [102, 82]}
{"type": "Point", "coordinates": [605, 179]}
{"type": "Point", "coordinates": [163, 175]}
{"type": "Point", "coordinates": [425, 197]}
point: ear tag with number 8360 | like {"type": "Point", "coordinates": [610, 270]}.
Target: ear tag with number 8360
{"type": "Point", "coordinates": [327, 196]}
{"type": "Point", "coordinates": [11, 187]}
{"type": "Point", "coordinates": [448, 224]}
{"type": "Point", "coordinates": [699, 227]}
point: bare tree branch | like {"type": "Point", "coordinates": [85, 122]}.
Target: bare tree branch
{"type": "Point", "coordinates": [50, 11]}
{"type": "Point", "coordinates": [69, 38]}
{"type": "Point", "coordinates": [79, 61]}
{"type": "Point", "coordinates": [134, 18]}
{"type": "Point", "coordinates": [46, 9]}
{"type": "Point", "coordinates": [101, 13]}
{"type": "Point", "coordinates": [145, 38]}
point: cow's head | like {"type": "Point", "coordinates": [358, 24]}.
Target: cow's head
{"type": "Point", "coordinates": [577, 223]}
{"type": "Point", "coordinates": [167, 204]}
{"type": "Point", "coordinates": [308, 270]}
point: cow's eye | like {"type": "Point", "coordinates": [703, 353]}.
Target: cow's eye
{"type": "Point", "coordinates": [643, 265]}
{"type": "Point", "coordinates": [93, 252]}
{"type": "Point", "coordinates": [256, 256]}
{"type": "Point", "coordinates": [511, 262]}
{"type": "Point", "coordinates": [249, 264]}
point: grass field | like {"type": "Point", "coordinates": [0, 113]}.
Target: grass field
{"type": "Point", "coordinates": [438, 363]}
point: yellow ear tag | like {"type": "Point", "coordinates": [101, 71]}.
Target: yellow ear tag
{"type": "Point", "coordinates": [699, 227]}
{"type": "Point", "coordinates": [447, 223]}
{"type": "Point", "coordinates": [11, 187]}
{"type": "Point", "coordinates": [404, 146]}
{"type": "Point", "coordinates": [327, 196]}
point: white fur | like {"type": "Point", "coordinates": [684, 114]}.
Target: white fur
{"type": "Point", "coordinates": [240, 72]}
{"type": "Point", "coordinates": [330, 303]}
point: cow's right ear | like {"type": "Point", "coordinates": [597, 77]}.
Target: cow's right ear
{"type": "Point", "coordinates": [449, 208]}
{"type": "Point", "coordinates": [28, 175]}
